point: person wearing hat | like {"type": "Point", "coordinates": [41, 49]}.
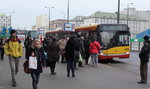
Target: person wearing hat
{"type": "Point", "coordinates": [13, 49]}
{"type": "Point", "coordinates": [144, 59]}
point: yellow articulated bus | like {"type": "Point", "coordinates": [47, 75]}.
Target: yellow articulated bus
{"type": "Point", "coordinates": [114, 39]}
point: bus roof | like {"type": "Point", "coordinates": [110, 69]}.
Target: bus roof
{"type": "Point", "coordinates": [55, 31]}
{"type": "Point", "coordinates": [86, 28]}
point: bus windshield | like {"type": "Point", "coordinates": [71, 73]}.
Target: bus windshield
{"type": "Point", "coordinates": [111, 39]}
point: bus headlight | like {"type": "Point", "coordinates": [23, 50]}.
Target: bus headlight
{"type": "Point", "coordinates": [127, 53]}
{"type": "Point", "coordinates": [101, 54]}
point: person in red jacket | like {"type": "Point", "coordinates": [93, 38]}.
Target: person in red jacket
{"type": "Point", "coordinates": [94, 51]}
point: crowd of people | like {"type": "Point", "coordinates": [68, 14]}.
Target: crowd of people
{"type": "Point", "coordinates": [71, 51]}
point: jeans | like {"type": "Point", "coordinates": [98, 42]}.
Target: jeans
{"type": "Point", "coordinates": [35, 79]}
{"type": "Point", "coordinates": [70, 66]}
{"type": "Point", "coordinates": [14, 66]}
{"type": "Point", "coordinates": [94, 57]}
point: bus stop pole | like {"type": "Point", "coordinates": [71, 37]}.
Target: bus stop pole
{"type": "Point", "coordinates": [139, 47]}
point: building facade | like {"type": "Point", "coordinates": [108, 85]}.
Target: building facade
{"type": "Point", "coordinates": [142, 14]}
{"type": "Point", "coordinates": [135, 23]}
{"type": "Point", "coordinates": [42, 22]}
{"type": "Point", "coordinates": [5, 21]}
{"type": "Point", "coordinates": [57, 24]}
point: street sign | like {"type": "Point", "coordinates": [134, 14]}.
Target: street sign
{"type": "Point", "coordinates": [136, 40]}
{"type": "Point", "coordinates": [68, 27]}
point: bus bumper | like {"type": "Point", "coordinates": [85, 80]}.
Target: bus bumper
{"type": "Point", "coordinates": [102, 57]}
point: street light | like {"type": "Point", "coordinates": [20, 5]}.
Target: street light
{"type": "Point", "coordinates": [68, 12]}
{"type": "Point", "coordinates": [10, 16]}
{"type": "Point", "coordinates": [128, 11]}
{"type": "Point", "coordinates": [49, 15]}
{"type": "Point", "coordinates": [118, 13]}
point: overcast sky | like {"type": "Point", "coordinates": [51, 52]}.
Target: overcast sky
{"type": "Point", "coordinates": [27, 10]}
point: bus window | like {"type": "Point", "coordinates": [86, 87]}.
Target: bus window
{"type": "Point", "coordinates": [105, 38]}
{"type": "Point", "coordinates": [87, 35]}
{"type": "Point", "coordinates": [123, 39]}
{"type": "Point", "coordinates": [93, 34]}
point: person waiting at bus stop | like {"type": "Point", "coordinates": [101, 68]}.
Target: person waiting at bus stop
{"type": "Point", "coordinates": [53, 55]}
{"type": "Point", "coordinates": [2, 47]}
{"type": "Point", "coordinates": [28, 45]}
{"type": "Point", "coordinates": [94, 51]}
{"type": "Point", "coordinates": [62, 44]}
{"type": "Point", "coordinates": [81, 48]}
{"type": "Point", "coordinates": [70, 55]}
{"type": "Point", "coordinates": [144, 59]}
{"type": "Point", "coordinates": [45, 43]}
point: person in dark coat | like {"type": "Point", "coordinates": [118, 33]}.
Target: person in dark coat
{"type": "Point", "coordinates": [87, 48]}
{"type": "Point", "coordinates": [53, 55]}
{"type": "Point", "coordinates": [37, 51]}
{"type": "Point", "coordinates": [70, 55]}
{"type": "Point", "coordinates": [45, 43]}
{"type": "Point", "coordinates": [2, 47]}
{"type": "Point", "coordinates": [28, 45]}
{"type": "Point", "coordinates": [81, 48]}
{"type": "Point", "coordinates": [144, 59]}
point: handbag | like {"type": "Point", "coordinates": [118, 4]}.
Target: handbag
{"type": "Point", "coordinates": [90, 60]}
{"type": "Point", "coordinates": [80, 57]}
{"type": "Point", "coordinates": [32, 62]}
{"type": "Point", "coordinates": [26, 67]}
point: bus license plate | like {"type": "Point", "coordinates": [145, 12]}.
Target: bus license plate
{"type": "Point", "coordinates": [115, 58]}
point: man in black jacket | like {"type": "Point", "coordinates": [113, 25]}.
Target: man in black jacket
{"type": "Point", "coordinates": [2, 47]}
{"type": "Point", "coordinates": [144, 59]}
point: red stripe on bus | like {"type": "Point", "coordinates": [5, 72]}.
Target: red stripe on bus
{"type": "Point", "coordinates": [101, 57]}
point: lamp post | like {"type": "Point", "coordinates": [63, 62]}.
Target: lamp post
{"type": "Point", "coordinates": [128, 11]}
{"type": "Point", "coordinates": [10, 17]}
{"type": "Point", "coordinates": [118, 13]}
{"type": "Point", "coordinates": [68, 12]}
{"type": "Point", "coordinates": [49, 8]}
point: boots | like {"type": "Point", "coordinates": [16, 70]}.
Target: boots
{"type": "Point", "coordinates": [52, 72]}
{"type": "Point", "coordinates": [73, 73]}
{"type": "Point", "coordinates": [80, 64]}
{"type": "Point", "coordinates": [35, 86]}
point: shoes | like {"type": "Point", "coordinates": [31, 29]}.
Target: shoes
{"type": "Point", "coordinates": [54, 73]}
{"type": "Point", "coordinates": [68, 75]}
{"type": "Point", "coordinates": [81, 66]}
{"type": "Point", "coordinates": [141, 82]}
{"type": "Point", "coordinates": [14, 84]}
{"type": "Point", "coordinates": [75, 68]}
{"type": "Point", "coordinates": [73, 76]}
